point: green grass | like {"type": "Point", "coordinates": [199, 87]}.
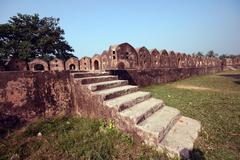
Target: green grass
{"type": "Point", "coordinates": [218, 109]}
{"type": "Point", "coordinates": [74, 138]}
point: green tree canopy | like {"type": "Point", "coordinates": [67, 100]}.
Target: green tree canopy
{"type": "Point", "coordinates": [199, 54]}
{"type": "Point", "coordinates": [28, 36]}
{"type": "Point", "coordinates": [223, 56]}
{"type": "Point", "coordinates": [211, 54]}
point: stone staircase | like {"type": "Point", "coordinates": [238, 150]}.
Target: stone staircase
{"type": "Point", "coordinates": [137, 112]}
{"type": "Point", "coordinates": [231, 68]}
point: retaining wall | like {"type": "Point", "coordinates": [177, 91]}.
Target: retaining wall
{"type": "Point", "coordinates": [28, 95]}
{"type": "Point", "coordinates": [143, 77]}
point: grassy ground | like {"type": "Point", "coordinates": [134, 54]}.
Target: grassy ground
{"type": "Point", "coordinates": [215, 101]}
{"type": "Point", "coordinates": [73, 138]}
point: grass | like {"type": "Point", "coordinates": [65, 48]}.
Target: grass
{"type": "Point", "coordinates": [217, 106]}
{"type": "Point", "coordinates": [74, 138]}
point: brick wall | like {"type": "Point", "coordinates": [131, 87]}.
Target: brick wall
{"type": "Point", "coordinates": [28, 95]}
{"type": "Point", "coordinates": [161, 75]}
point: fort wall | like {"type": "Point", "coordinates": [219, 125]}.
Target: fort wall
{"type": "Point", "coordinates": [143, 77]}
{"type": "Point", "coordinates": [26, 95]}
{"type": "Point", "coordinates": [123, 56]}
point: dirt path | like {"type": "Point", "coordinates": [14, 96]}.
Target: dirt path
{"type": "Point", "coordinates": [191, 87]}
{"type": "Point", "coordinates": [182, 86]}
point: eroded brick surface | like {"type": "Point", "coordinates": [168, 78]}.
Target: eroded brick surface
{"type": "Point", "coordinates": [27, 95]}
{"type": "Point", "coordinates": [144, 77]}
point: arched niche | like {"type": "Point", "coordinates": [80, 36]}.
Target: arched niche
{"type": "Point", "coordinates": [155, 58]}
{"type": "Point", "coordinates": [85, 63]}
{"type": "Point", "coordinates": [144, 58]}
{"type": "Point", "coordinates": [128, 55]}
{"type": "Point", "coordinates": [72, 64]}
{"type": "Point", "coordinates": [96, 62]}
{"type": "Point", "coordinates": [38, 65]}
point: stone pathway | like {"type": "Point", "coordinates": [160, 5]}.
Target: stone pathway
{"type": "Point", "coordinates": [158, 125]}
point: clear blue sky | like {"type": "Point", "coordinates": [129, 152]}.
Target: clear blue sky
{"type": "Point", "coordinates": [180, 25]}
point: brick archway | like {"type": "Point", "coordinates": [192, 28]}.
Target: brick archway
{"type": "Point", "coordinates": [120, 65]}
{"type": "Point", "coordinates": [96, 65]}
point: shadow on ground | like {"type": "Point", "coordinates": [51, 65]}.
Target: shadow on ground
{"type": "Point", "coordinates": [237, 82]}
{"type": "Point", "coordinates": [197, 154]}
{"type": "Point", "coordinates": [9, 123]}
{"type": "Point", "coordinates": [235, 76]}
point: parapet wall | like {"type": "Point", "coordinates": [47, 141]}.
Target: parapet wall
{"type": "Point", "coordinates": [143, 77]}
{"type": "Point", "coordinates": [28, 95]}
{"type": "Point", "coordinates": [123, 56]}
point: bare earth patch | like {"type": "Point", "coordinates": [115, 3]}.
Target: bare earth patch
{"type": "Point", "coordinates": [195, 88]}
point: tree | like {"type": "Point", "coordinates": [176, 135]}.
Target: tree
{"type": "Point", "coordinates": [199, 54]}
{"type": "Point", "coordinates": [232, 56]}
{"type": "Point", "coordinates": [28, 36]}
{"type": "Point", "coordinates": [211, 54]}
{"type": "Point", "coordinates": [223, 56]}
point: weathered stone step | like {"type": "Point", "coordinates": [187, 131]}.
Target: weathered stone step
{"type": "Point", "coordinates": [231, 68]}
{"type": "Point", "coordinates": [106, 85]}
{"type": "Point", "coordinates": [89, 74]}
{"type": "Point", "coordinates": [73, 72]}
{"type": "Point", "coordinates": [117, 91]}
{"type": "Point", "coordinates": [155, 127]}
{"type": "Point", "coordinates": [128, 100]}
{"type": "Point", "coordinates": [181, 137]}
{"type": "Point", "coordinates": [142, 110]}
{"type": "Point", "coordinates": [89, 80]}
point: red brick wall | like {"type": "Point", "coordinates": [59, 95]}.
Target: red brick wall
{"type": "Point", "coordinates": [27, 95]}
{"type": "Point", "coordinates": [161, 75]}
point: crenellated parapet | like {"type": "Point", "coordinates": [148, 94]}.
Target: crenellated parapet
{"type": "Point", "coordinates": [85, 63]}
{"type": "Point", "coordinates": [72, 64]}
{"type": "Point", "coordinates": [155, 58]}
{"type": "Point", "coordinates": [56, 64]}
{"type": "Point", "coordinates": [16, 65]}
{"type": "Point", "coordinates": [173, 61]}
{"type": "Point", "coordinates": [105, 60]}
{"type": "Point", "coordinates": [96, 62]}
{"type": "Point", "coordinates": [124, 56]}
{"type": "Point", "coordinates": [144, 58]}
{"type": "Point", "coordinates": [38, 65]}
{"type": "Point", "coordinates": [127, 57]}
{"type": "Point", "coordinates": [164, 59]}
{"type": "Point", "coordinates": [231, 61]}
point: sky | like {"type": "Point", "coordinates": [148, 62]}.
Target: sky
{"type": "Point", "coordinates": [91, 26]}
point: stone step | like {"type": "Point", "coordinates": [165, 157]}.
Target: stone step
{"type": "Point", "coordinates": [181, 137]}
{"type": "Point", "coordinates": [142, 110]}
{"type": "Point", "coordinates": [89, 80]}
{"type": "Point", "coordinates": [155, 127]}
{"type": "Point", "coordinates": [73, 72]}
{"type": "Point", "coordinates": [126, 101]}
{"type": "Point", "coordinates": [231, 68]}
{"type": "Point", "coordinates": [106, 85]}
{"type": "Point", "coordinates": [89, 74]}
{"type": "Point", "coordinates": [117, 91]}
